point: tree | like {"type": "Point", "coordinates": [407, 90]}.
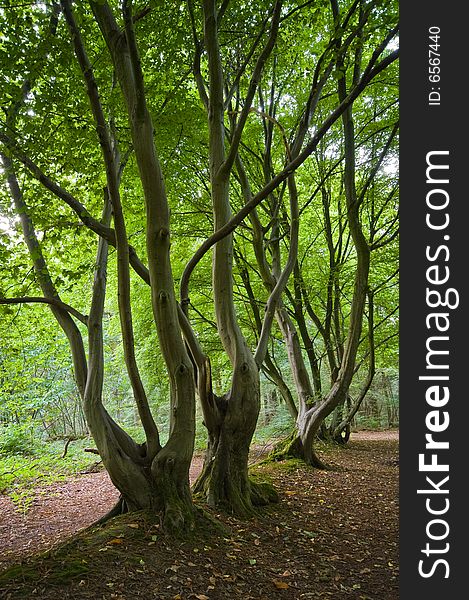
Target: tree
{"type": "Point", "coordinates": [227, 77]}
{"type": "Point", "coordinates": [343, 229]}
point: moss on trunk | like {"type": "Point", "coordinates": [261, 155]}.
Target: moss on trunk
{"type": "Point", "coordinates": [292, 447]}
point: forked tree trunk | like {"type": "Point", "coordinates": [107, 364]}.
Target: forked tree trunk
{"type": "Point", "coordinates": [312, 416]}
{"type": "Point", "coordinates": [301, 443]}
{"type": "Point", "coordinates": [231, 419]}
{"type": "Point", "coordinates": [148, 476]}
{"type": "Point", "coordinates": [159, 485]}
{"type": "Point", "coordinates": [224, 480]}
{"type": "Point", "coordinates": [147, 479]}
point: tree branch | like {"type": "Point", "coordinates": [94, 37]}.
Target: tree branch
{"type": "Point", "coordinates": [52, 301]}
{"type": "Point", "coordinates": [253, 84]}
{"type": "Point", "coordinates": [197, 56]}
{"type": "Point", "coordinates": [231, 225]}
{"type": "Point", "coordinates": [122, 246]}
{"type": "Point", "coordinates": [81, 211]}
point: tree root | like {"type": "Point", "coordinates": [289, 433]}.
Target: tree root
{"type": "Point", "coordinates": [292, 447]}
{"type": "Point", "coordinates": [316, 462]}
{"type": "Point", "coordinates": [120, 508]}
{"type": "Point", "coordinates": [262, 493]}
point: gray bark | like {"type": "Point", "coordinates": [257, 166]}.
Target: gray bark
{"type": "Point", "coordinates": [168, 471]}
{"type": "Point", "coordinates": [231, 419]}
{"type": "Point", "coordinates": [310, 419]}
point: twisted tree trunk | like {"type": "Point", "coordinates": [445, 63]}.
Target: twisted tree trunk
{"type": "Point", "coordinates": [232, 418]}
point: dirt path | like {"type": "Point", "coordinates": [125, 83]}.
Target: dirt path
{"type": "Point", "coordinates": [57, 511]}
{"type": "Point", "coordinates": [364, 478]}
{"type": "Point", "coordinates": [388, 435]}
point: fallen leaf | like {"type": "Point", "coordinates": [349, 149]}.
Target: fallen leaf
{"type": "Point", "coordinates": [280, 585]}
{"type": "Point", "coordinates": [116, 541]}
{"type": "Point", "coordinates": [173, 568]}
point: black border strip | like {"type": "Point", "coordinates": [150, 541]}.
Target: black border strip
{"type": "Point", "coordinates": [435, 123]}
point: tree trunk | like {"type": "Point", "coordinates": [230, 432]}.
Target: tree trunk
{"type": "Point", "coordinates": [311, 418]}
{"type": "Point", "coordinates": [149, 477]}
{"type": "Point", "coordinates": [293, 447]}
{"type": "Point", "coordinates": [146, 481]}
{"type": "Point", "coordinates": [339, 429]}
{"type": "Point", "coordinates": [230, 420]}
{"type": "Point", "coordinates": [224, 480]}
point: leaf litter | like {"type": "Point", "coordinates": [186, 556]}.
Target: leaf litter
{"type": "Point", "coordinates": [343, 547]}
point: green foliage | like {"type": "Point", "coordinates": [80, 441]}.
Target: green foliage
{"type": "Point", "coordinates": [22, 475]}
{"type": "Point", "coordinates": [380, 408]}
{"type": "Point", "coordinates": [279, 424]}
{"type": "Point", "coordinates": [55, 128]}
{"type": "Point", "coordinates": [17, 439]}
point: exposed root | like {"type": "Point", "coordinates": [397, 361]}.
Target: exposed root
{"type": "Point", "coordinates": [120, 508]}
{"type": "Point", "coordinates": [316, 462]}
{"type": "Point", "coordinates": [292, 447]}
{"type": "Point", "coordinates": [262, 493]}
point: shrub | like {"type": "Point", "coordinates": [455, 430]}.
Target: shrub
{"type": "Point", "coordinates": [17, 439]}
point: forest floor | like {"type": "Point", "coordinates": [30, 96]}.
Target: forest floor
{"type": "Point", "coordinates": [334, 534]}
